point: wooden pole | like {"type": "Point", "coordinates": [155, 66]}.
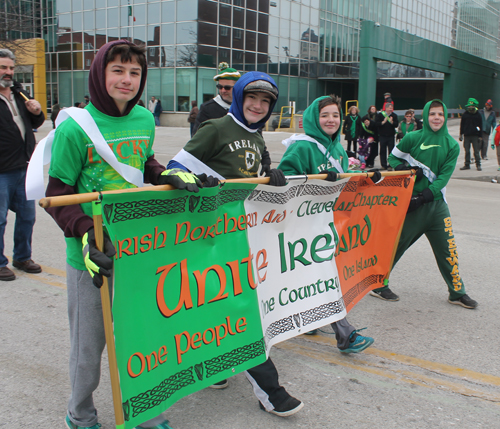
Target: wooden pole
{"type": "Point", "coordinates": [108, 321]}
{"type": "Point", "coordinates": [68, 200]}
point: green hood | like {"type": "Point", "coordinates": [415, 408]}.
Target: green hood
{"type": "Point", "coordinates": [313, 129]}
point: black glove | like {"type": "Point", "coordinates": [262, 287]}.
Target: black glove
{"type": "Point", "coordinates": [266, 168]}
{"type": "Point", "coordinates": [331, 176]}
{"type": "Point", "coordinates": [98, 263]}
{"type": "Point", "coordinates": [277, 177]}
{"type": "Point", "coordinates": [209, 181]}
{"type": "Point", "coordinates": [180, 179]}
{"type": "Point", "coordinates": [426, 196]}
{"type": "Point", "coordinates": [419, 173]}
{"type": "Point", "coordinates": [377, 175]}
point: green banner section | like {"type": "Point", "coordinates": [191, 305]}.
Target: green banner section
{"type": "Point", "coordinates": [185, 306]}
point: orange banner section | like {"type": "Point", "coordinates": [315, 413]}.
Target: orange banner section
{"type": "Point", "coordinates": [369, 219]}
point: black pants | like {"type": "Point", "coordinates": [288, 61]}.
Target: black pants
{"type": "Point", "coordinates": [373, 153]}
{"type": "Point", "coordinates": [386, 146]}
{"type": "Point", "coordinates": [354, 145]}
{"type": "Point", "coordinates": [266, 386]}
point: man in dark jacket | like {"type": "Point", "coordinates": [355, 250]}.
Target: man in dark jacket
{"type": "Point", "coordinates": [471, 126]}
{"type": "Point", "coordinates": [218, 106]}
{"type": "Point", "coordinates": [489, 119]}
{"type": "Point", "coordinates": [387, 122]}
{"type": "Point", "coordinates": [18, 117]}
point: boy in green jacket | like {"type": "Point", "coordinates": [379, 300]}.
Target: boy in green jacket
{"type": "Point", "coordinates": [435, 152]}
{"type": "Point", "coordinates": [320, 151]}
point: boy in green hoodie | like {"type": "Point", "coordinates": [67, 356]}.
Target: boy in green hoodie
{"type": "Point", "coordinates": [320, 151]}
{"type": "Point", "coordinates": [435, 152]}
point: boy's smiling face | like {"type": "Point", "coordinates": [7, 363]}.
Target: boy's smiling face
{"type": "Point", "coordinates": [123, 81]}
{"type": "Point", "coordinates": [255, 106]}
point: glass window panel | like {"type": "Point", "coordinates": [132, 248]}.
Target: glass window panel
{"type": "Point", "coordinates": [77, 60]}
{"type": "Point", "coordinates": [113, 34]}
{"type": "Point", "coordinates": [294, 48]}
{"type": "Point", "coordinates": [251, 4]}
{"type": "Point", "coordinates": [77, 21]}
{"type": "Point", "coordinates": [284, 28]}
{"type": "Point", "coordinates": [251, 41]}
{"type": "Point", "coordinates": [295, 11]}
{"type": "Point", "coordinates": [100, 39]}
{"type": "Point", "coordinates": [238, 38]}
{"type": "Point", "coordinates": [125, 15]}
{"type": "Point", "coordinates": [224, 55]}
{"type": "Point", "coordinates": [167, 34]}
{"type": "Point", "coordinates": [88, 20]}
{"type": "Point", "coordinates": [186, 55]}
{"type": "Point", "coordinates": [304, 14]}
{"type": "Point", "coordinates": [262, 63]}
{"type": "Point", "coordinates": [167, 56]}
{"type": "Point", "coordinates": [224, 36]}
{"type": "Point", "coordinates": [274, 26]}
{"type": "Point", "coordinates": [237, 60]}
{"type": "Point", "coordinates": [264, 6]}
{"type": "Point", "coordinates": [263, 23]}
{"type": "Point", "coordinates": [63, 6]}
{"type": "Point", "coordinates": [65, 89]}
{"type": "Point", "coordinates": [249, 61]}
{"type": "Point", "coordinates": [138, 15]}
{"type": "Point", "coordinates": [153, 86]}
{"type": "Point", "coordinates": [100, 18]}
{"type": "Point", "coordinates": [295, 30]}
{"type": "Point", "coordinates": [88, 58]}
{"type": "Point", "coordinates": [88, 41]}
{"type": "Point", "coordinates": [154, 13]}
{"type": "Point", "coordinates": [262, 42]}
{"type": "Point", "coordinates": [64, 23]}
{"type": "Point", "coordinates": [77, 5]}
{"type": "Point", "coordinates": [113, 17]}
{"type": "Point", "coordinates": [185, 83]}
{"type": "Point", "coordinates": [140, 35]}
{"type": "Point", "coordinates": [283, 9]}
{"type": "Point", "coordinates": [187, 10]}
{"type": "Point", "coordinates": [207, 11]}
{"type": "Point", "coordinates": [207, 56]}
{"type": "Point", "coordinates": [238, 17]}
{"type": "Point", "coordinates": [208, 33]}
{"type": "Point", "coordinates": [112, 3]}
{"type": "Point", "coordinates": [225, 15]}
{"type": "Point", "coordinates": [153, 34]}
{"type": "Point", "coordinates": [251, 20]}
{"type": "Point", "coordinates": [168, 11]}
{"type": "Point", "coordinates": [64, 60]}
{"type": "Point", "coordinates": [186, 32]}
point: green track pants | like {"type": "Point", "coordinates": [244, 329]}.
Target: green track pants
{"type": "Point", "coordinates": [433, 219]}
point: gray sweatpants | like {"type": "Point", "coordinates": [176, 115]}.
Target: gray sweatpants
{"type": "Point", "coordinates": [343, 330]}
{"type": "Point", "coordinates": [86, 329]}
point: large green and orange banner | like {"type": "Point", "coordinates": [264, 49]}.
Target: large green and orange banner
{"type": "Point", "coordinates": [205, 284]}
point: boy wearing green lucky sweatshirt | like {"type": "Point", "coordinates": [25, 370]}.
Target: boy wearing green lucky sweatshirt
{"type": "Point", "coordinates": [317, 151]}
{"type": "Point", "coordinates": [435, 152]}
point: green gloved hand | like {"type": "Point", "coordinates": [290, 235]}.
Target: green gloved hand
{"type": "Point", "coordinates": [180, 179]}
{"type": "Point", "coordinates": [98, 263]}
{"type": "Point", "coordinates": [493, 145]}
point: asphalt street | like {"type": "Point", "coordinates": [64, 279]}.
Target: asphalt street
{"type": "Point", "coordinates": [433, 365]}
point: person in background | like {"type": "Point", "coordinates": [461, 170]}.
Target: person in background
{"type": "Point", "coordinates": [435, 152]}
{"type": "Point", "coordinates": [192, 116]}
{"type": "Point", "coordinates": [352, 128]}
{"type": "Point", "coordinates": [407, 125]}
{"type": "Point", "coordinates": [141, 103]}
{"type": "Point", "coordinates": [489, 119]}
{"type": "Point", "coordinates": [387, 122]}
{"type": "Point", "coordinates": [85, 102]}
{"type": "Point", "coordinates": [471, 131]}
{"type": "Point", "coordinates": [365, 141]}
{"type": "Point", "coordinates": [372, 116]}
{"type": "Point", "coordinates": [495, 143]}
{"type": "Point", "coordinates": [387, 99]}
{"type": "Point", "coordinates": [56, 108]}
{"type": "Point", "coordinates": [218, 106]}
{"type": "Point", "coordinates": [18, 118]}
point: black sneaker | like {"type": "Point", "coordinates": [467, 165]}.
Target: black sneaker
{"type": "Point", "coordinates": [220, 385]}
{"type": "Point", "coordinates": [465, 301]}
{"type": "Point", "coordinates": [287, 408]}
{"type": "Point", "coordinates": [478, 168]}
{"type": "Point", "coordinates": [465, 167]}
{"type": "Point", "coordinates": [385, 294]}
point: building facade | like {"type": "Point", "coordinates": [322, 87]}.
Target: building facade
{"type": "Point", "coordinates": [310, 47]}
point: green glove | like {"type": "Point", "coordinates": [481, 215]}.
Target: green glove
{"type": "Point", "coordinates": [98, 263]}
{"type": "Point", "coordinates": [180, 179]}
{"type": "Point", "coordinates": [493, 145]}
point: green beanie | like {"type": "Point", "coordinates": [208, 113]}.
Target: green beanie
{"type": "Point", "coordinates": [225, 72]}
{"type": "Point", "coordinates": [472, 102]}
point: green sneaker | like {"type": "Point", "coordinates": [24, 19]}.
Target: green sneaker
{"type": "Point", "coordinates": [71, 425]}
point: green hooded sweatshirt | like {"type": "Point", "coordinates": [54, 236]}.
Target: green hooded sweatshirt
{"type": "Point", "coordinates": [435, 152]}
{"type": "Point", "coordinates": [304, 157]}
